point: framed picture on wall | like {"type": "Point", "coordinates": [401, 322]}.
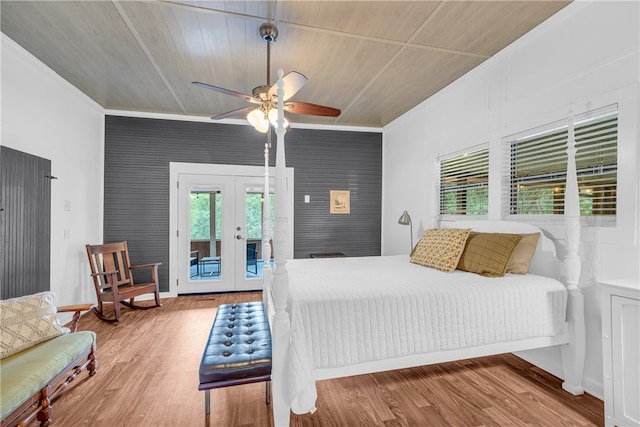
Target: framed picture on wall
{"type": "Point", "coordinates": [339, 202]}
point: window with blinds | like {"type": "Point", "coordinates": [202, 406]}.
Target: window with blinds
{"type": "Point", "coordinates": [538, 167]}
{"type": "Point", "coordinates": [464, 183]}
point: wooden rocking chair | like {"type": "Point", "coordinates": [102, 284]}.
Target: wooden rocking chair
{"type": "Point", "coordinates": [113, 279]}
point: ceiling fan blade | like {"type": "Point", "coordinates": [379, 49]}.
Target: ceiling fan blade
{"type": "Point", "coordinates": [308, 109]}
{"type": "Point", "coordinates": [239, 111]}
{"type": "Point", "coordinates": [293, 82]}
{"type": "Point", "coordinates": [235, 94]}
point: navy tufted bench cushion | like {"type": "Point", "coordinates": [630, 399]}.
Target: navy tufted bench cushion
{"type": "Point", "coordinates": [238, 350]}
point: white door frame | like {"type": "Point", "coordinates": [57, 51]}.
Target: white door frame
{"type": "Point", "coordinates": [177, 168]}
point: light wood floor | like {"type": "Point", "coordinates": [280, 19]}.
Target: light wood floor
{"type": "Point", "coordinates": [148, 376]}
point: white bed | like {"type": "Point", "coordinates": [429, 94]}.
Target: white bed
{"type": "Point", "coordinates": [339, 317]}
{"type": "Point", "coordinates": [364, 314]}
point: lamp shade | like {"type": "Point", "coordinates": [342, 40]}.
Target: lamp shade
{"type": "Point", "coordinates": [273, 118]}
{"type": "Point", "coordinates": [404, 219]}
{"type": "Point", "coordinates": [263, 126]}
{"type": "Point", "coordinates": [258, 120]}
{"type": "Point", "coordinates": [255, 117]}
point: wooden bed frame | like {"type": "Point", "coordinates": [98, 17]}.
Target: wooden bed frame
{"type": "Point", "coordinates": [276, 286]}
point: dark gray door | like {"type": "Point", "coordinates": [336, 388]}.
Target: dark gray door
{"type": "Point", "coordinates": [25, 223]}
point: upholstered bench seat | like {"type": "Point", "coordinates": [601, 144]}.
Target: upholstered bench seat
{"type": "Point", "coordinates": [24, 374]}
{"type": "Point", "coordinates": [238, 350]}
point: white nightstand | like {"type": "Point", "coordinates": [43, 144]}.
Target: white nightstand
{"type": "Point", "coordinates": [621, 351]}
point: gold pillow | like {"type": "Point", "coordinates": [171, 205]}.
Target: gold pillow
{"type": "Point", "coordinates": [440, 248]}
{"type": "Point", "coordinates": [26, 321]}
{"type": "Point", "coordinates": [523, 253]}
{"type": "Point", "coordinates": [488, 254]}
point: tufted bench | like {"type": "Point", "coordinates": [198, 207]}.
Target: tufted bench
{"type": "Point", "coordinates": [238, 350]}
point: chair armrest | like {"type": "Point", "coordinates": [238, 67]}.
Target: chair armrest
{"type": "Point", "coordinates": [154, 264]}
{"type": "Point", "coordinates": [77, 309]}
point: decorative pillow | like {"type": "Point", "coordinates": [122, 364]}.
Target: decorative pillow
{"type": "Point", "coordinates": [26, 321]}
{"type": "Point", "coordinates": [488, 254]}
{"type": "Point", "coordinates": [523, 253]}
{"type": "Point", "coordinates": [440, 248]}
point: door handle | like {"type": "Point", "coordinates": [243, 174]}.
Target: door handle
{"type": "Point", "coordinates": [239, 237]}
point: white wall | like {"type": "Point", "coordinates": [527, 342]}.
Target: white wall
{"type": "Point", "coordinates": [585, 57]}
{"type": "Point", "coordinates": [45, 116]}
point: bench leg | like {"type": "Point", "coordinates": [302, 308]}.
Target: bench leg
{"type": "Point", "coordinates": [268, 392]}
{"type": "Point", "coordinates": [207, 402]}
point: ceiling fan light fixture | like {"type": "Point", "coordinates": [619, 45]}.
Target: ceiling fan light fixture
{"type": "Point", "coordinates": [263, 127]}
{"type": "Point", "coordinates": [255, 116]}
{"type": "Point", "coordinates": [258, 120]}
{"type": "Point", "coordinates": [273, 118]}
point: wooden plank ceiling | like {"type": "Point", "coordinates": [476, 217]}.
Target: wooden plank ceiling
{"type": "Point", "coordinates": [375, 60]}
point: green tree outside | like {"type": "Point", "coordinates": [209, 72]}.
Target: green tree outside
{"type": "Point", "coordinates": [201, 216]}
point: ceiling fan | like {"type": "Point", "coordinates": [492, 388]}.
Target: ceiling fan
{"type": "Point", "coordinates": [265, 98]}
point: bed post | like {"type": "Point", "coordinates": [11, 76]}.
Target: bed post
{"type": "Point", "coordinates": [573, 353]}
{"type": "Point", "coordinates": [280, 328]}
{"type": "Point", "coordinates": [266, 230]}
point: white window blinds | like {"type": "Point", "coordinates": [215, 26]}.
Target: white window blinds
{"type": "Point", "coordinates": [538, 167]}
{"type": "Point", "coordinates": [464, 182]}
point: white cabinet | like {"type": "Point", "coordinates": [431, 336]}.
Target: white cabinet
{"type": "Point", "coordinates": [621, 352]}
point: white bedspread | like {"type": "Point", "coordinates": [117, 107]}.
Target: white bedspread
{"type": "Point", "coordinates": [347, 311]}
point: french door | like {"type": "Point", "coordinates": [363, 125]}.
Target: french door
{"type": "Point", "coordinates": [229, 200]}
{"type": "Point", "coordinates": [220, 232]}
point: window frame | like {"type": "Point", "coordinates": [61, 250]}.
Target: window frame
{"type": "Point", "coordinates": [560, 128]}
{"type": "Point", "coordinates": [457, 157]}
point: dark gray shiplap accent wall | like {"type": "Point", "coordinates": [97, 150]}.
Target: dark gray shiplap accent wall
{"type": "Point", "coordinates": [25, 223]}
{"type": "Point", "coordinates": [136, 194]}
{"type": "Point", "coordinates": [336, 160]}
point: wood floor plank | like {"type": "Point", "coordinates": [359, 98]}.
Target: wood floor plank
{"type": "Point", "coordinates": [148, 376]}
{"type": "Point", "coordinates": [407, 382]}
{"type": "Point", "coordinates": [402, 411]}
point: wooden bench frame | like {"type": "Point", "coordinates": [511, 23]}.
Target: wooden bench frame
{"type": "Point", "coordinates": [39, 405]}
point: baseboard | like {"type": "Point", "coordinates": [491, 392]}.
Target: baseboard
{"type": "Point", "coordinates": [554, 367]}
{"type": "Point", "coordinates": [594, 388]}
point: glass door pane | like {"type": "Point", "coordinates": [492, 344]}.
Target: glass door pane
{"type": "Point", "coordinates": [254, 205]}
{"type": "Point", "coordinates": [250, 198]}
{"type": "Point", "coordinates": [205, 232]}
{"type": "Point", "coordinates": [206, 256]}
